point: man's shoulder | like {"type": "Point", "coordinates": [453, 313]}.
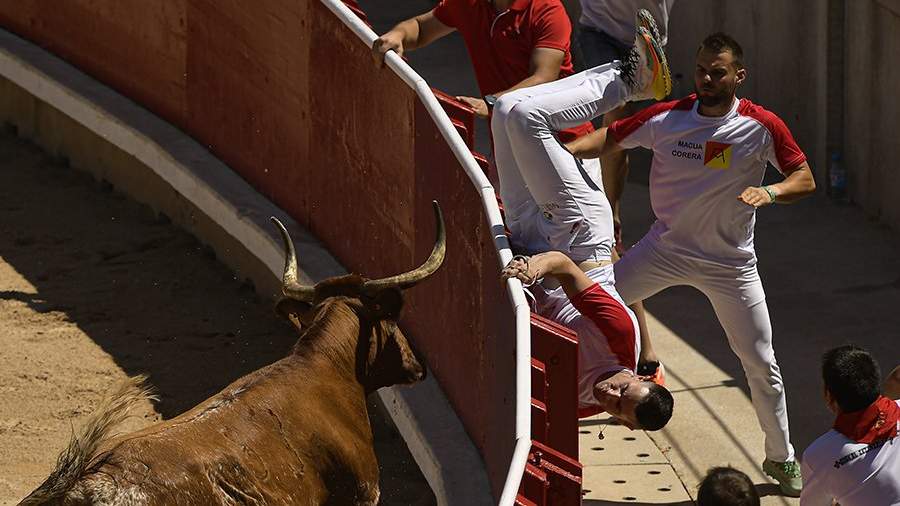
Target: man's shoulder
{"type": "Point", "coordinates": [461, 10]}
{"type": "Point", "coordinates": [765, 117]}
{"type": "Point", "coordinates": [680, 104]}
{"type": "Point", "coordinates": [826, 447]}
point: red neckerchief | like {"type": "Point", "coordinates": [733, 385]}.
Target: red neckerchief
{"type": "Point", "coordinates": [877, 422]}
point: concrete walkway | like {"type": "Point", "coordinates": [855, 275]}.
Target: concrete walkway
{"type": "Point", "coordinates": [832, 276]}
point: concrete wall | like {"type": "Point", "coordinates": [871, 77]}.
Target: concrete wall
{"type": "Point", "coordinates": [784, 53]}
{"type": "Point", "coordinates": [284, 94]}
{"type": "Point", "coordinates": [872, 107]}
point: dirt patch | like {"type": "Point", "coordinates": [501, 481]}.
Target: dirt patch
{"type": "Point", "coordinates": [94, 288]}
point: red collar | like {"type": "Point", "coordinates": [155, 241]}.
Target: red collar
{"type": "Point", "coordinates": [879, 421]}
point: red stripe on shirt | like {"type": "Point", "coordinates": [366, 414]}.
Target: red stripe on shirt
{"type": "Point", "coordinates": [788, 153]}
{"type": "Point", "coordinates": [624, 127]}
{"type": "Point", "coordinates": [611, 317]}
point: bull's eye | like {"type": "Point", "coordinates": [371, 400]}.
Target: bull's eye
{"type": "Point", "coordinates": [376, 307]}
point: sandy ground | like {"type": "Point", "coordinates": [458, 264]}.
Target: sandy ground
{"type": "Point", "coordinates": [93, 288]}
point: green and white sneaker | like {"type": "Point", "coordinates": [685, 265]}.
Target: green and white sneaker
{"type": "Point", "coordinates": [787, 474]}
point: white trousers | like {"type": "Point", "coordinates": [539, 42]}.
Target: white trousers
{"type": "Point", "coordinates": [552, 200]}
{"type": "Point", "coordinates": [737, 297]}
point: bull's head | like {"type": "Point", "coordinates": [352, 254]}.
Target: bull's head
{"type": "Point", "coordinates": [383, 355]}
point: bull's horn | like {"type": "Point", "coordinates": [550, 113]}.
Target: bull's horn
{"type": "Point", "coordinates": [409, 279]}
{"type": "Point", "coordinates": [290, 287]}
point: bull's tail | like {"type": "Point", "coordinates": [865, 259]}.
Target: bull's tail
{"type": "Point", "coordinates": [82, 449]}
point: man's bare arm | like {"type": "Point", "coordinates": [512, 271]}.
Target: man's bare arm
{"type": "Point", "coordinates": [594, 145]}
{"type": "Point", "coordinates": [553, 263]}
{"type": "Point", "coordinates": [797, 184]}
{"type": "Point", "coordinates": [410, 34]}
{"type": "Point", "coordinates": [545, 63]}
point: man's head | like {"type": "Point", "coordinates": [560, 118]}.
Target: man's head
{"type": "Point", "coordinates": [726, 486]}
{"type": "Point", "coordinates": [637, 404]}
{"type": "Point", "coordinates": [719, 70]}
{"type": "Point", "coordinates": [852, 378]}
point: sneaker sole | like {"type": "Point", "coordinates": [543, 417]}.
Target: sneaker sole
{"type": "Point", "coordinates": [662, 79]}
{"type": "Point", "coordinates": [646, 20]}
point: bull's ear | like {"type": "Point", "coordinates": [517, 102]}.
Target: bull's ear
{"type": "Point", "coordinates": [295, 311]}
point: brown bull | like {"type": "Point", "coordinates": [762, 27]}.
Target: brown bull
{"type": "Point", "coordinates": [294, 432]}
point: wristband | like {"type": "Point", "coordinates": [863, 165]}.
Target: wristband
{"type": "Point", "coordinates": [771, 194]}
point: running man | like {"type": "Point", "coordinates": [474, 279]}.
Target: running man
{"type": "Point", "coordinates": [710, 152]}
{"type": "Point", "coordinates": [552, 203]}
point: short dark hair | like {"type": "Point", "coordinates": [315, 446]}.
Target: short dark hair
{"type": "Point", "coordinates": [720, 42]}
{"type": "Point", "coordinates": [654, 410]}
{"type": "Point", "coordinates": [852, 376]}
{"type": "Point", "coordinates": [726, 486]}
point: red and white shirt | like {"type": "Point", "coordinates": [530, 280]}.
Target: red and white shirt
{"type": "Point", "coordinates": [608, 335]}
{"type": "Point", "coordinates": [500, 45]}
{"type": "Point", "coordinates": [700, 166]}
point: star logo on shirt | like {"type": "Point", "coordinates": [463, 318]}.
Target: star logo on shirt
{"type": "Point", "coordinates": [717, 155]}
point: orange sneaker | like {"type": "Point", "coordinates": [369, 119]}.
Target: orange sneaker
{"type": "Point", "coordinates": [652, 371]}
{"type": "Point", "coordinates": [645, 68]}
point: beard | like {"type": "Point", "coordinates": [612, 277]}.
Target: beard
{"type": "Point", "coordinates": [716, 99]}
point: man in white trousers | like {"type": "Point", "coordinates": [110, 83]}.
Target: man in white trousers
{"type": "Point", "coordinates": [710, 152]}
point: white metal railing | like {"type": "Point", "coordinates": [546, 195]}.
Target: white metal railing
{"type": "Point", "coordinates": [489, 201]}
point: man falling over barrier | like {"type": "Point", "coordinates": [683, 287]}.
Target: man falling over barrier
{"type": "Point", "coordinates": [552, 203]}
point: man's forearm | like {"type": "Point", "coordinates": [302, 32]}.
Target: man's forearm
{"type": "Point", "coordinates": [613, 178]}
{"type": "Point", "coordinates": [593, 145]}
{"type": "Point", "coordinates": [587, 146]}
{"type": "Point", "coordinates": [409, 31]}
{"type": "Point", "coordinates": [554, 263]}
{"type": "Point", "coordinates": [532, 80]}
{"type": "Point", "coordinates": [796, 185]}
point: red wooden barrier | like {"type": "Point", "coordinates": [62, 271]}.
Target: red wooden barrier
{"type": "Point", "coordinates": [288, 97]}
{"type": "Point", "coordinates": [556, 347]}
{"type": "Point", "coordinates": [550, 479]}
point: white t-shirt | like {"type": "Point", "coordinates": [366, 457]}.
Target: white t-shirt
{"type": "Point", "coordinates": [616, 17]}
{"type": "Point", "coordinates": [600, 352]}
{"type": "Point", "coordinates": [853, 474]}
{"type": "Point", "coordinates": [700, 166]}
